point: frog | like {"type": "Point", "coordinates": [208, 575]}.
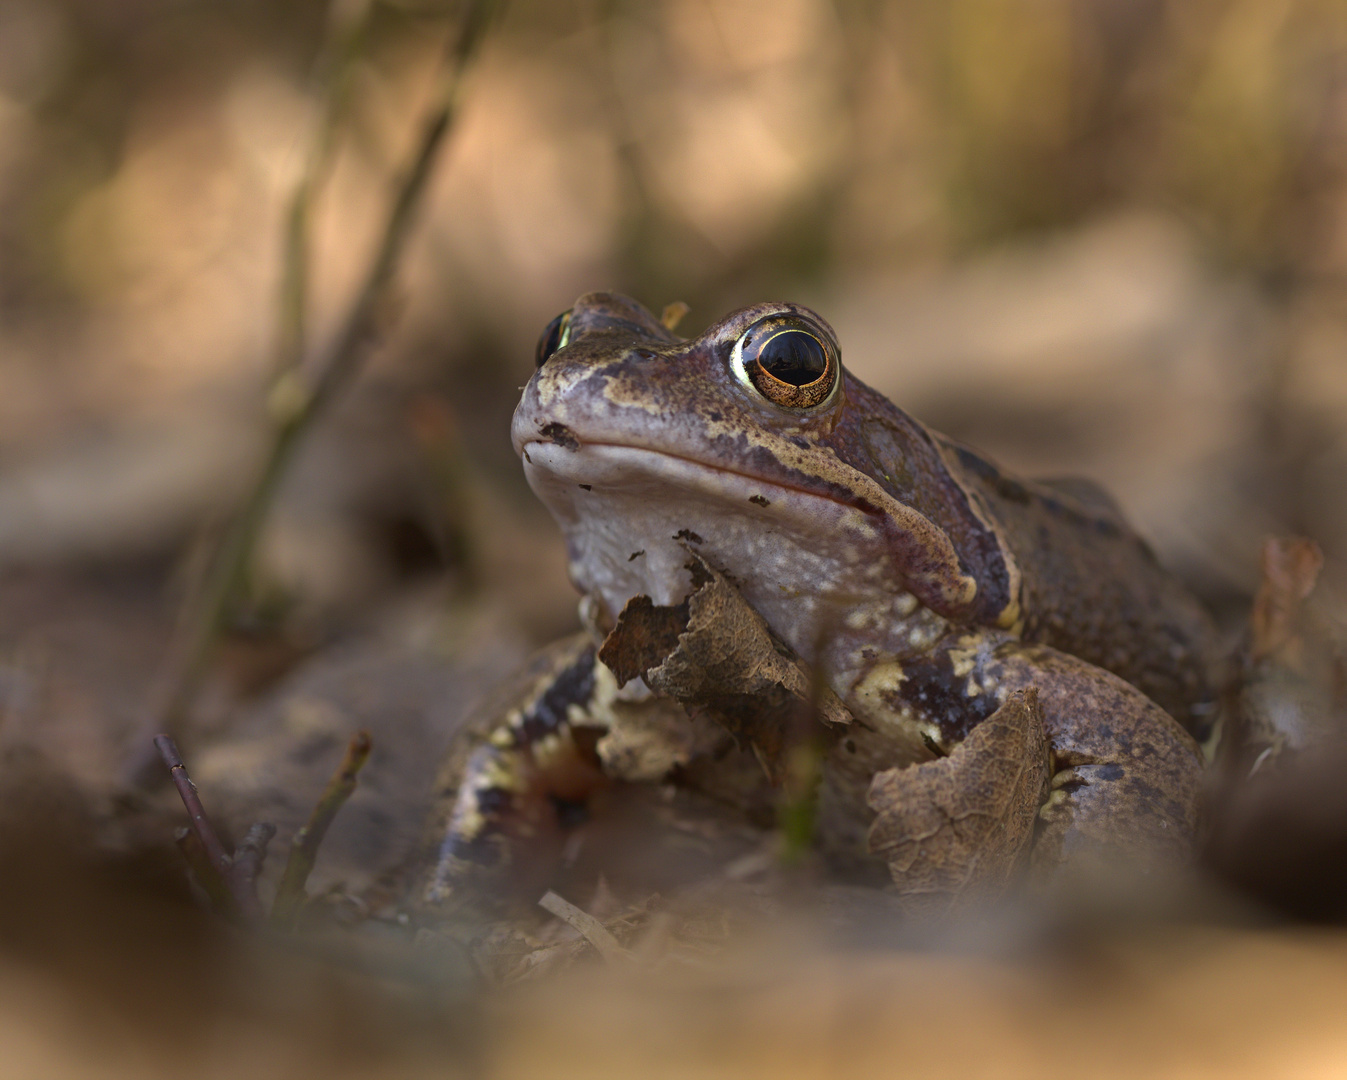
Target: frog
{"type": "Point", "coordinates": [924, 584]}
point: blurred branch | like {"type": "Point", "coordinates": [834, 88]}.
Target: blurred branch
{"type": "Point", "coordinates": [217, 891]}
{"type": "Point", "coordinates": [347, 27]}
{"type": "Point", "coordinates": [297, 402]}
{"type": "Point", "coordinates": [290, 895]}
{"type": "Point", "coordinates": [248, 859]}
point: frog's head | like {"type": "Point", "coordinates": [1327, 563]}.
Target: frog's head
{"type": "Point", "coordinates": [734, 444]}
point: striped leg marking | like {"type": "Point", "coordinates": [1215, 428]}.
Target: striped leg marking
{"type": "Point", "coordinates": [533, 773]}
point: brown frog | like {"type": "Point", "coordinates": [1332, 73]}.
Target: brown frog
{"type": "Point", "coordinates": [924, 584]}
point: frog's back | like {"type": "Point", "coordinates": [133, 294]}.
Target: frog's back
{"type": "Point", "coordinates": [1055, 560]}
{"type": "Point", "coordinates": [1090, 586]}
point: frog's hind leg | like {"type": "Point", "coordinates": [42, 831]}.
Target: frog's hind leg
{"type": "Point", "coordinates": [537, 767]}
{"type": "Point", "coordinates": [1126, 779]}
{"type": "Point", "coordinates": [1127, 785]}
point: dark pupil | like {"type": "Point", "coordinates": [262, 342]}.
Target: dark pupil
{"type": "Point", "coordinates": [794, 356]}
{"type": "Point", "coordinates": [551, 339]}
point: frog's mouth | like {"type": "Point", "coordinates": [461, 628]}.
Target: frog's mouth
{"type": "Point", "coordinates": [840, 543]}
{"type": "Point", "coordinates": [595, 463]}
{"type": "Point", "coordinates": [631, 514]}
{"type": "Point", "coordinates": [605, 468]}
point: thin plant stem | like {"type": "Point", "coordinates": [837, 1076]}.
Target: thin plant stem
{"type": "Point", "coordinates": [290, 895]}
{"type": "Point", "coordinates": [205, 831]}
{"type": "Point", "coordinates": [346, 34]}
{"type": "Point", "coordinates": [247, 864]}
{"type": "Point", "coordinates": [797, 808]}
{"type": "Point", "coordinates": [198, 862]}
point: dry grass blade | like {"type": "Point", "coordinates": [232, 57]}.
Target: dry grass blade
{"type": "Point", "coordinates": [586, 925]}
{"type": "Point", "coordinates": [290, 895]}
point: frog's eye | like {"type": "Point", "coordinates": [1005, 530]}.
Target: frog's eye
{"type": "Point", "coordinates": [554, 338]}
{"type": "Point", "coordinates": [789, 361]}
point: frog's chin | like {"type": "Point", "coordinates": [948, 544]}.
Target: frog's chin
{"type": "Point", "coordinates": [631, 516]}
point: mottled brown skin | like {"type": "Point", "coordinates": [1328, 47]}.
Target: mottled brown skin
{"type": "Point", "coordinates": [1124, 772]}
{"type": "Point", "coordinates": [1089, 586]}
{"type": "Point", "coordinates": [1028, 585]}
{"type": "Point", "coordinates": [1053, 562]}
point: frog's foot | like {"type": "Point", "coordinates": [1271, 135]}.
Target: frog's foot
{"type": "Point", "coordinates": [504, 811]}
{"type": "Point", "coordinates": [510, 810]}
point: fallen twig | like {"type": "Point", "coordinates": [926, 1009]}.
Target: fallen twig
{"type": "Point", "coordinates": [290, 895]}
{"type": "Point", "coordinates": [205, 832]}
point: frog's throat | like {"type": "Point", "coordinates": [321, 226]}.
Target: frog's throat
{"type": "Point", "coordinates": [917, 553]}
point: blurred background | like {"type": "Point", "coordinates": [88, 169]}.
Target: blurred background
{"type": "Point", "coordinates": [1087, 236]}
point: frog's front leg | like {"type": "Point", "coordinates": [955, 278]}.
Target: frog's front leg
{"type": "Point", "coordinates": [1127, 779]}
{"type": "Point", "coordinates": [536, 765]}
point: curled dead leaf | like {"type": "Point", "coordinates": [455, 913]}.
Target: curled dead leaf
{"type": "Point", "coordinates": [713, 653]}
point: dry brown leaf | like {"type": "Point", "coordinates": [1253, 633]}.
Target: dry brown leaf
{"type": "Point", "coordinates": [1292, 675]}
{"type": "Point", "coordinates": [956, 829]}
{"type": "Point", "coordinates": [1291, 568]}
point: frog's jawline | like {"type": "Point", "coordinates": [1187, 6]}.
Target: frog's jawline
{"type": "Point", "coordinates": [822, 558]}
{"type": "Point", "coordinates": [692, 464]}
